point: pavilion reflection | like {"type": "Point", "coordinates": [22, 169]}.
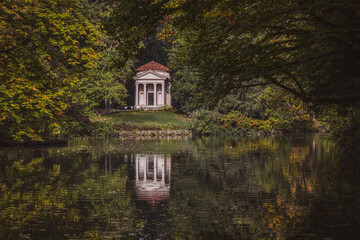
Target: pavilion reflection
{"type": "Point", "coordinates": [152, 173]}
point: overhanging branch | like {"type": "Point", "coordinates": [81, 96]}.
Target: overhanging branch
{"type": "Point", "coordinates": [255, 85]}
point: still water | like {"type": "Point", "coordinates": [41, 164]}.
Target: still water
{"type": "Point", "coordinates": [297, 187]}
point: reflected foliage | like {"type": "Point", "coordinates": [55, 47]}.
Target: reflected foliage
{"type": "Point", "coordinates": [62, 195]}
{"type": "Point", "coordinates": [261, 188]}
{"type": "Point", "coordinates": [221, 188]}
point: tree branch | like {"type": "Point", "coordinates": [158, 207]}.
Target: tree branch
{"type": "Point", "coordinates": [297, 83]}
{"type": "Point", "coordinates": [255, 85]}
{"type": "Point", "coordinates": [277, 83]}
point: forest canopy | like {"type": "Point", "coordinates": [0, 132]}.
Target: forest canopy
{"type": "Point", "coordinates": [310, 49]}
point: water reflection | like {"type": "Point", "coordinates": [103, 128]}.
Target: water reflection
{"type": "Point", "coordinates": [152, 174]}
{"type": "Point", "coordinates": [235, 188]}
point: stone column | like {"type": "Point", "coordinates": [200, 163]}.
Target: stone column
{"type": "Point", "coordinates": [163, 93]}
{"type": "Point", "coordinates": [145, 169]}
{"type": "Point", "coordinates": [137, 168]}
{"type": "Point", "coordinates": [163, 172]}
{"type": "Point", "coordinates": [155, 94]}
{"type": "Point", "coordinates": [168, 160]}
{"type": "Point", "coordinates": [136, 95]}
{"type": "Point", "coordinates": [155, 168]}
{"type": "Point", "coordinates": [145, 95]}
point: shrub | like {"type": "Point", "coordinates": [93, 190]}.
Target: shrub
{"type": "Point", "coordinates": [205, 122]}
{"type": "Point", "coordinates": [242, 124]}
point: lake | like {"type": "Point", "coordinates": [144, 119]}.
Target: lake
{"type": "Point", "coordinates": [288, 187]}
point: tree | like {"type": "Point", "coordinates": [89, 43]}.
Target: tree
{"type": "Point", "coordinates": [104, 82]}
{"type": "Point", "coordinates": [44, 46]}
{"type": "Point", "coordinates": [57, 66]}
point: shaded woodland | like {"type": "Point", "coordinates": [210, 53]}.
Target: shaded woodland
{"type": "Point", "coordinates": [295, 64]}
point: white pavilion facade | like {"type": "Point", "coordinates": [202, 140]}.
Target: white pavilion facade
{"type": "Point", "coordinates": [152, 86]}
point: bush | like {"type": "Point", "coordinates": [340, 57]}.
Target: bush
{"type": "Point", "coordinates": [206, 122]}
{"type": "Point", "coordinates": [237, 123]}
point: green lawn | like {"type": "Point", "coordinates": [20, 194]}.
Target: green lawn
{"type": "Point", "coordinates": [148, 120]}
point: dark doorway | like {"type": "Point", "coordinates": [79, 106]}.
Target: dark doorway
{"type": "Point", "coordinates": [150, 98]}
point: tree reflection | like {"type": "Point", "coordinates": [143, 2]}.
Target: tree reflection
{"type": "Point", "coordinates": [47, 200]}
{"type": "Point", "coordinates": [206, 188]}
{"type": "Point", "coordinates": [259, 188]}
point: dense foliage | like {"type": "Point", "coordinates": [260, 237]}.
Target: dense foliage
{"type": "Point", "coordinates": [206, 122]}
{"type": "Point", "coordinates": [55, 66]}
{"type": "Point", "coordinates": [309, 49]}
{"type": "Point", "coordinates": [62, 59]}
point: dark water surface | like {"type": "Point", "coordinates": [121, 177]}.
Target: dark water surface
{"type": "Point", "coordinates": [297, 187]}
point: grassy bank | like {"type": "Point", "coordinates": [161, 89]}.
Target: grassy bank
{"type": "Point", "coordinates": [144, 120]}
{"type": "Point", "coordinates": [202, 122]}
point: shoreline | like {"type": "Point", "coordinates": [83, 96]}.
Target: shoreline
{"type": "Point", "coordinates": [132, 134]}
{"type": "Point", "coordinates": [46, 143]}
{"type": "Point", "coordinates": [154, 133]}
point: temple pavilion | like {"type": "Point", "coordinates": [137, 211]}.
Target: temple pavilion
{"type": "Point", "coordinates": [152, 86]}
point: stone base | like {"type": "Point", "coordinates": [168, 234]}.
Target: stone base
{"type": "Point", "coordinates": [155, 133]}
{"type": "Point", "coordinates": [150, 107]}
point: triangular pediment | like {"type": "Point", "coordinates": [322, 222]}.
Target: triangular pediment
{"type": "Point", "coordinates": [150, 75]}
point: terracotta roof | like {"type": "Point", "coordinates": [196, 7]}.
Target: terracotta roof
{"type": "Point", "coordinates": [153, 66]}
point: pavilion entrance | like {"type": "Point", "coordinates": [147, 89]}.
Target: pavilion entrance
{"type": "Point", "coordinates": [151, 99]}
